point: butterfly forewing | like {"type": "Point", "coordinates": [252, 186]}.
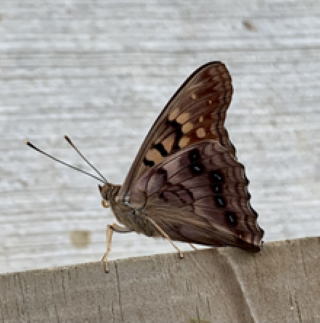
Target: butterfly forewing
{"type": "Point", "coordinates": [196, 112]}
{"type": "Point", "coordinates": [199, 195]}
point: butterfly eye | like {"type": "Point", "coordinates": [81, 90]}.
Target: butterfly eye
{"type": "Point", "coordinates": [105, 195]}
{"type": "Point", "coordinates": [104, 192]}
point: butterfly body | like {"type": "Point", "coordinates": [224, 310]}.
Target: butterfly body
{"type": "Point", "coordinates": [133, 219]}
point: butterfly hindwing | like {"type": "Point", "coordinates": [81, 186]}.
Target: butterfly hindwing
{"type": "Point", "coordinates": [196, 112]}
{"type": "Point", "coordinates": [199, 195]}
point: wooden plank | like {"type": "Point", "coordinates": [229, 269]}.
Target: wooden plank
{"type": "Point", "coordinates": [280, 284]}
{"type": "Point", "coordinates": [101, 71]}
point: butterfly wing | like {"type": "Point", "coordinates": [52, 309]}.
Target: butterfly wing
{"type": "Point", "coordinates": [199, 195]}
{"type": "Point", "coordinates": [196, 111]}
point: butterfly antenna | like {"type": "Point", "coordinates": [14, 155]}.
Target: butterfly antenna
{"type": "Point", "coordinates": [28, 143]}
{"type": "Point", "coordinates": [84, 158]}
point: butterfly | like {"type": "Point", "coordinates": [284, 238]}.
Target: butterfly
{"type": "Point", "coordinates": [186, 183]}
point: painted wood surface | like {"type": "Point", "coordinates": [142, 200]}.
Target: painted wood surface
{"type": "Point", "coordinates": [101, 71]}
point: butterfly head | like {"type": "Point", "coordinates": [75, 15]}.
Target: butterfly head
{"type": "Point", "coordinates": [105, 191]}
{"type": "Point", "coordinates": [108, 193]}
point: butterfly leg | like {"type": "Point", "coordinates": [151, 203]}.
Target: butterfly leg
{"type": "Point", "coordinates": [110, 230]}
{"type": "Point", "coordinates": [165, 236]}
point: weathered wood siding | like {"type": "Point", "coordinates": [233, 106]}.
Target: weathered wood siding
{"type": "Point", "coordinates": [101, 71]}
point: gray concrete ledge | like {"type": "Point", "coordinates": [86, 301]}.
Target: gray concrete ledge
{"type": "Point", "coordinates": [280, 284]}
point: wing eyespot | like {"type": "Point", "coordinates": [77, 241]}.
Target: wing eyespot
{"type": "Point", "coordinates": [197, 169]}
{"type": "Point", "coordinates": [217, 188]}
{"type": "Point", "coordinates": [216, 176]}
{"type": "Point", "coordinates": [194, 155]}
{"type": "Point", "coordinates": [220, 201]}
{"type": "Point", "coordinates": [231, 219]}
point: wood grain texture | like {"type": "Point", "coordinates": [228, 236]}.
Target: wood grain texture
{"type": "Point", "coordinates": [279, 284]}
{"type": "Point", "coordinates": [101, 71]}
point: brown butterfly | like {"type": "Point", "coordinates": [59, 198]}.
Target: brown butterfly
{"type": "Point", "coordinates": [186, 184]}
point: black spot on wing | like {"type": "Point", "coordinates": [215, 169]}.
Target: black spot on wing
{"type": "Point", "coordinates": [220, 201]}
{"type": "Point", "coordinates": [148, 163]}
{"type": "Point", "coordinates": [194, 155]}
{"type": "Point", "coordinates": [161, 149]}
{"type": "Point", "coordinates": [178, 134]}
{"type": "Point", "coordinates": [197, 169]}
{"type": "Point", "coordinates": [174, 124]}
{"type": "Point", "coordinates": [216, 176]}
{"type": "Point", "coordinates": [231, 219]}
{"type": "Point", "coordinates": [217, 188]}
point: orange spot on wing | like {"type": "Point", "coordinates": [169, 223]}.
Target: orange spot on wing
{"type": "Point", "coordinates": [168, 142]}
{"type": "Point", "coordinates": [201, 133]}
{"type": "Point", "coordinates": [154, 155]}
{"type": "Point", "coordinates": [183, 117]}
{"type": "Point", "coordinates": [174, 114]}
{"type": "Point", "coordinates": [184, 141]}
{"type": "Point", "coordinates": [187, 127]}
